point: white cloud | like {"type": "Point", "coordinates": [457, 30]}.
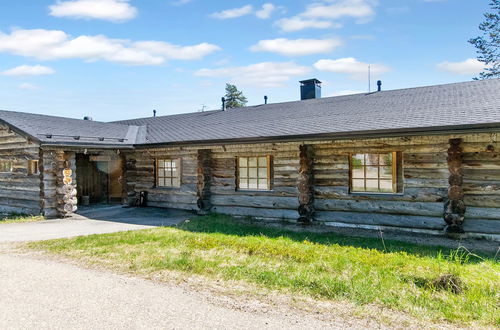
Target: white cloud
{"type": "Point", "coordinates": [335, 9]}
{"type": "Point", "coordinates": [470, 66]}
{"type": "Point", "coordinates": [29, 70]}
{"type": "Point", "coordinates": [176, 52]}
{"type": "Point", "coordinates": [265, 74]}
{"type": "Point", "coordinates": [109, 10]}
{"type": "Point", "coordinates": [297, 23]}
{"type": "Point", "coordinates": [324, 14]}
{"type": "Point", "coordinates": [350, 66]}
{"type": "Point", "coordinates": [266, 11]}
{"type": "Point", "coordinates": [297, 47]}
{"type": "Point", "coordinates": [233, 13]}
{"type": "Point", "coordinates": [28, 86]}
{"type": "Point", "coordinates": [53, 45]}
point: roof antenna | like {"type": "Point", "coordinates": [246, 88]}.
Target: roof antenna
{"type": "Point", "coordinates": [154, 113]}
{"type": "Point", "coordinates": [369, 84]}
{"type": "Point", "coordinates": [223, 103]}
{"type": "Point", "coordinates": [265, 99]}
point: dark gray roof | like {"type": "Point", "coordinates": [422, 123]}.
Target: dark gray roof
{"type": "Point", "coordinates": [60, 130]}
{"type": "Point", "coordinates": [452, 106]}
{"type": "Point", "coordinates": [467, 105]}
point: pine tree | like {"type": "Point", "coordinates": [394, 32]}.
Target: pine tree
{"type": "Point", "coordinates": [489, 43]}
{"type": "Point", "coordinates": [234, 97]}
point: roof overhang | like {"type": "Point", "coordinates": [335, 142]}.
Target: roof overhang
{"type": "Point", "coordinates": [436, 130]}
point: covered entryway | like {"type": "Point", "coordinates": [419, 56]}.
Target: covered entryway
{"type": "Point", "coordinates": [99, 178]}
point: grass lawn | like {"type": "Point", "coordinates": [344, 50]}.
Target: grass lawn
{"type": "Point", "coordinates": [400, 276]}
{"type": "Point", "coordinates": [12, 218]}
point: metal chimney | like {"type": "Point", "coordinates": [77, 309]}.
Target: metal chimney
{"type": "Point", "coordinates": [223, 103]}
{"type": "Point", "coordinates": [310, 89]}
{"type": "Point", "coordinates": [87, 118]}
{"type": "Point", "coordinates": [379, 85]}
{"type": "Point", "coordinates": [265, 99]}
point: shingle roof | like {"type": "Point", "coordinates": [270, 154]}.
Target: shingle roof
{"type": "Point", "coordinates": [438, 107]}
{"type": "Point", "coordinates": [60, 130]}
{"type": "Point", "coordinates": [442, 107]}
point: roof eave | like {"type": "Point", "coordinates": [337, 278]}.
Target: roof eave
{"type": "Point", "coordinates": [436, 130]}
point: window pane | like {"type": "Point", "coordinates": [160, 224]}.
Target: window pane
{"type": "Point", "coordinates": [243, 172]}
{"type": "Point", "coordinates": [168, 164]}
{"type": "Point", "coordinates": [161, 172]}
{"type": "Point", "coordinates": [243, 161]}
{"type": "Point", "coordinates": [252, 172]}
{"type": "Point", "coordinates": [372, 172]}
{"type": "Point", "coordinates": [358, 160]}
{"type": "Point", "coordinates": [372, 159]}
{"type": "Point", "coordinates": [243, 184]}
{"type": "Point", "coordinates": [386, 186]}
{"type": "Point", "coordinates": [358, 173]}
{"type": "Point", "coordinates": [176, 182]}
{"type": "Point", "coordinates": [175, 172]}
{"type": "Point", "coordinates": [371, 185]}
{"type": "Point", "coordinates": [262, 161]}
{"type": "Point", "coordinates": [263, 184]}
{"type": "Point", "coordinates": [386, 159]}
{"type": "Point", "coordinates": [262, 172]}
{"type": "Point", "coordinates": [385, 172]}
{"type": "Point", "coordinates": [252, 161]}
{"type": "Point", "coordinates": [174, 163]}
{"type": "Point", "coordinates": [358, 185]}
{"type": "Point", "coordinates": [252, 184]}
{"type": "Point", "coordinates": [161, 182]}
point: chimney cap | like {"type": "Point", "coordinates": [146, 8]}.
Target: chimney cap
{"type": "Point", "coordinates": [310, 81]}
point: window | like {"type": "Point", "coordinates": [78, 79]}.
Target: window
{"type": "Point", "coordinates": [33, 167]}
{"type": "Point", "coordinates": [254, 173]}
{"type": "Point", "coordinates": [374, 172]}
{"type": "Point", "coordinates": [6, 166]}
{"type": "Point", "coordinates": [168, 173]}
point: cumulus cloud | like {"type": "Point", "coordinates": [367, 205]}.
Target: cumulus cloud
{"type": "Point", "coordinates": [233, 13]}
{"type": "Point", "coordinates": [28, 86]}
{"type": "Point", "coordinates": [109, 10]}
{"type": "Point", "coordinates": [350, 66]}
{"type": "Point", "coordinates": [266, 11]}
{"type": "Point", "coordinates": [298, 23]}
{"type": "Point", "coordinates": [265, 74]}
{"type": "Point", "coordinates": [470, 66]}
{"type": "Point", "coordinates": [29, 70]}
{"type": "Point", "coordinates": [325, 14]}
{"type": "Point", "coordinates": [54, 44]}
{"type": "Point", "coordinates": [297, 47]}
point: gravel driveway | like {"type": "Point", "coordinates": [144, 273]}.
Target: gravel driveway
{"type": "Point", "coordinates": [40, 293]}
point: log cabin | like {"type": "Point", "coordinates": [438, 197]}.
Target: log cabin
{"type": "Point", "coordinates": [423, 159]}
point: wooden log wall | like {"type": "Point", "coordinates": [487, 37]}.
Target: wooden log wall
{"type": "Point", "coordinates": [204, 171]}
{"type": "Point", "coordinates": [140, 176]}
{"type": "Point", "coordinates": [454, 207]}
{"type": "Point", "coordinates": [59, 199]}
{"type": "Point", "coordinates": [419, 205]}
{"type": "Point", "coordinates": [19, 191]}
{"type": "Point", "coordinates": [306, 184]}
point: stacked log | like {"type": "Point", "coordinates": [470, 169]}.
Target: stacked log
{"type": "Point", "coordinates": [306, 184]}
{"type": "Point", "coordinates": [204, 177]}
{"type": "Point", "coordinates": [454, 208]}
{"type": "Point", "coordinates": [66, 185]}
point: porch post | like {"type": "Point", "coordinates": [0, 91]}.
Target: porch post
{"type": "Point", "coordinates": [204, 178]}
{"type": "Point", "coordinates": [65, 172]}
{"type": "Point", "coordinates": [306, 184]}
{"type": "Point", "coordinates": [454, 207]}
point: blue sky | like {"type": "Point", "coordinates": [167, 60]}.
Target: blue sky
{"type": "Point", "coordinates": [117, 59]}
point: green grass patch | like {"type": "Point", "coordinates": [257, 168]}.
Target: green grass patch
{"type": "Point", "coordinates": [418, 280]}
{"type": "Point", "coordinates": [13, 218]}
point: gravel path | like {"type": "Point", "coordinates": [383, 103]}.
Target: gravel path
{"type": "Point", "coordinates": [42, 293]}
